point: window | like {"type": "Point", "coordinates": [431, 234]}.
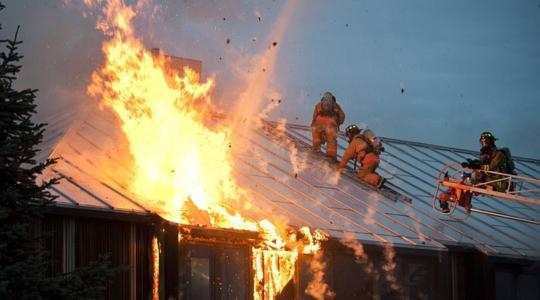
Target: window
{"type": "Point", "coordinates": [214, 271]}
{"type": "Point", "coordinates": [200, 278]}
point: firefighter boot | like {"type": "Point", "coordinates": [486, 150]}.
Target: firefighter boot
{"type": "Point", "coordinates": [380, 182]}
{"type": "Point", "coordinates": [444, 207]}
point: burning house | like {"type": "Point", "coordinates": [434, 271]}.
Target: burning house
{"type": "Point", "coordinates": [368, 244]}
{"type": "Point", "coordinates": [201, 205]}
{"type": "Point", "coordinates": [379, 246]}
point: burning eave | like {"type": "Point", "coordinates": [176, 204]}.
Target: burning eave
{"type": "Point", "coordinates": [206, 234]}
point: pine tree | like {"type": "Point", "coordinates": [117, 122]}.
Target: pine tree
{"type": "Point", "coordinates": [23, 201]}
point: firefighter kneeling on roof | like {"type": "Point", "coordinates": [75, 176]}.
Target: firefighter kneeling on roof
{"type": "Point", "coordinates": [327, 117]}
{"type": "Point", "coordinates": [363, 147]}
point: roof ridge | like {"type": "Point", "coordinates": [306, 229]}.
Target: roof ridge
{"type": "Point", "coordinates": [420, 144]}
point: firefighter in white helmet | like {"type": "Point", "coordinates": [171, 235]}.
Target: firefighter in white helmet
{"type": "Point", "coordinates": [365, 148]}
{"type": "Point", "coordinates": [327, 117]}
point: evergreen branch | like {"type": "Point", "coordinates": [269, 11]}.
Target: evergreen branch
{"type": "Point", "coordinates": [7, 66]}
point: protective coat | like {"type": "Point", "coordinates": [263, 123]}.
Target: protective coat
{"type": "Point", "coordinates": [324, 128]}
{"type": "Point", "coordinates": [369, 160]}
{"type": "Point", "coordinates": [492, 159]}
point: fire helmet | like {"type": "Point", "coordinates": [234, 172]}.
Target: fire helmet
{"type": "Point", "coordinates": [351, 131]}
{"type": "Point", "coordinates": [487, 139]}
{"type": "Point", "coordinates": [327, 95]}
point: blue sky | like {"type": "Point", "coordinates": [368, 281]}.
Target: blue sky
{"type": "Point", "coordinates": [465, 66]}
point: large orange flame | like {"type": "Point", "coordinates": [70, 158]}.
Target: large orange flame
{"type": "Point", "coordinates": [177, 157]}
{"type": "Point", "coordinates": [180, 157]}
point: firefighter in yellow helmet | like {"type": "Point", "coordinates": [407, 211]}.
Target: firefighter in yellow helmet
{"type": "Point", "coordinates": [327, 117]}
{"type": "Point", "coordinates": [364, 147]}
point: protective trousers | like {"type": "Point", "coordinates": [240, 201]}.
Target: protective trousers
{"type": "Point", "coordinates": [500, 185]}
{"type": "Point", "coordinates": [325, 130]}
{"type": "Point", "coordinates": [369, 164]}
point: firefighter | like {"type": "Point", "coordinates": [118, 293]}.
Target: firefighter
{"type": "Point", "coordinates": [494, 159]}
{"type": "Point", "coordinates": [491, 159]}
{"type": "Point", "coordinates": [365, 148]}
{"type": "Point", "coordinates": [327, 117]}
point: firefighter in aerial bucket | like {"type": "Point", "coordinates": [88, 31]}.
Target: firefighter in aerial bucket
{"type": "Point", "coordinates": [492, 159]}
{"type": "Point", "coordinates": [327, 117]}
{"type": "Point", "coordinates": [365, 148]}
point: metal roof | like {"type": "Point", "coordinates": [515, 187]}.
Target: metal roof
{"type": "Point", "coordinates": [285, 178]}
